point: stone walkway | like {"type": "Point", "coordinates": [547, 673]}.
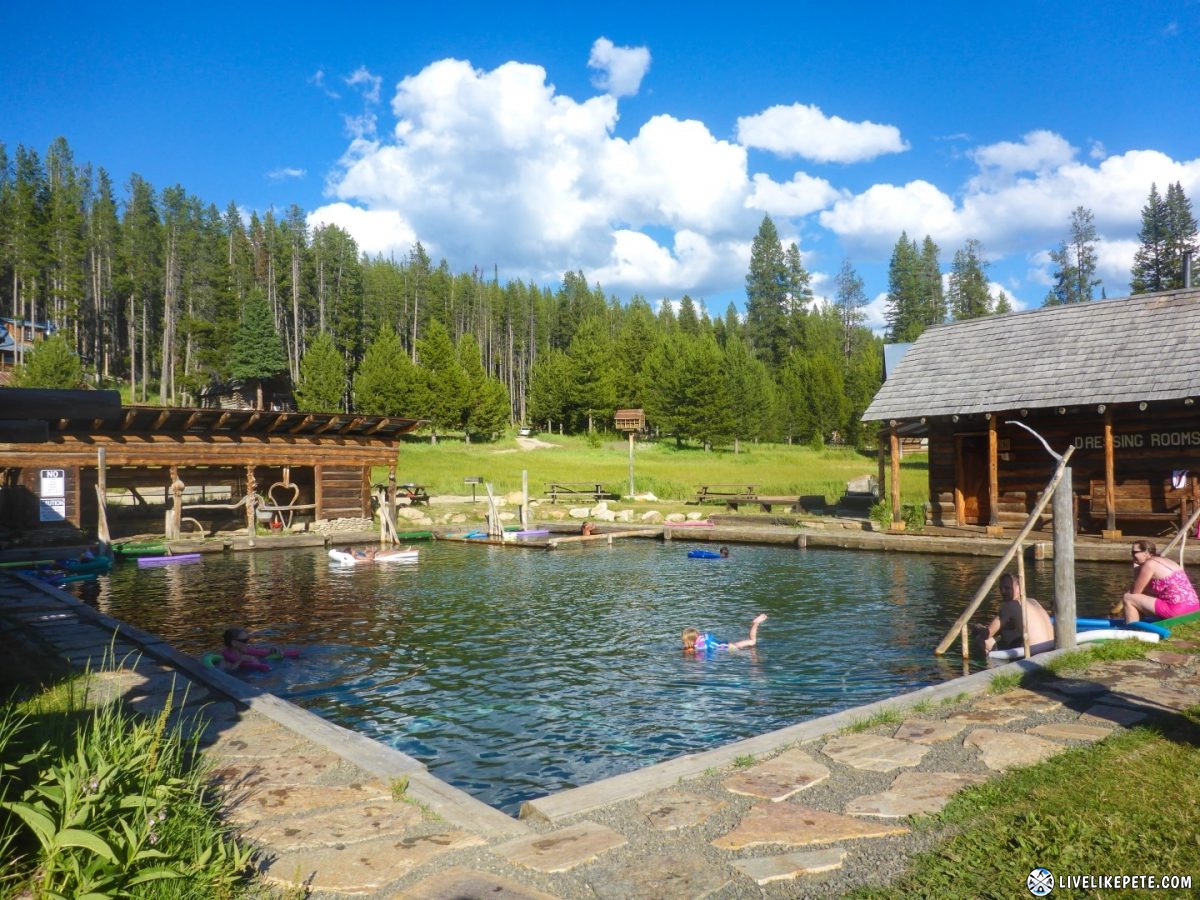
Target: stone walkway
{"type": "Point", "coordinates": [806, 811]}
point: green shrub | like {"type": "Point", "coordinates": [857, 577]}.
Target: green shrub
{"type": "Point", "coordinates": [881, 515]}
{"type": "Point", "coordinates": [105, 803]}
{"type": "Point", "coordinates": [913, 515]}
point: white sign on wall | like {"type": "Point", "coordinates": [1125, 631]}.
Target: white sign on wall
{"type": "Point", "coordinates": [52, 503]}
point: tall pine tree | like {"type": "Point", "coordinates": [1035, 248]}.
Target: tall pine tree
{"type": "Point", "coordinates": [1074, 262]}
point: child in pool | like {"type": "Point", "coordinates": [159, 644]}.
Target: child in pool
{"type": "Point", "coordinates": [239, 653]}
{"type": "Point", "coordinates": [694, 640]}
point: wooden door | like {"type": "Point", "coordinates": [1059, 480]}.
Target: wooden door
{"type": "Point", "coordinates": [971, 475]}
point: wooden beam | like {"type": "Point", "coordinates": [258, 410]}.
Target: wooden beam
{"type": "Point", "coordinates": [250, 421]}
{"type": "Point", "coordinates": [329, 423]}
{"type": "Point", "coordinates": [39, 403]}
{"type": "Point", "coordinates": [353, 423]}
{"type": "Point", "coordinates": [304, 423]}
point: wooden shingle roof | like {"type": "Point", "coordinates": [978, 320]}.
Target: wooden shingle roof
{"type": "Point", "coordinates": [1111, 351]}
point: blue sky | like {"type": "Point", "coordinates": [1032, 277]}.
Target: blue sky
{"type": "Point", "coordinates": [638, 142]}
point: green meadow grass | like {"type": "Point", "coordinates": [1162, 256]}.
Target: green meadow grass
{"type": "Point", "coordinates": [660, 468]}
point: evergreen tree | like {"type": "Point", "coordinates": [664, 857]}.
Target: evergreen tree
{"type": "Point", "coordinates": [849, 301]}
{"type": "Point", "coordinates": [549, 388]}
{"type": "Point", "coordinates": [968, 294]}
{"type": "Point", "coordinates": [905, 319]}
{"type": "Point", "coordinates": [488, 407]}
{"type": "Point", "coordinates": [635, 341]}
{"type": "Point", "coordinates": [665, 390]}
{"type": "Point", "coordinates": [751, 392]}
{"type": "Point", "coordinates": [705, 410]}
{"type": "Point", "coordinates": [51, 364]}
{"type": "Point", "coordinates": [1151, 262]}
{"type": "Point", "coordinates": [322, 384]}
{"type": "Point", "coordinates": [1075, 278]}
{"type": "Point", "coordinates": [592, 387]}
{"type": "Point", "coordinates": [767, 295]}
{"type": "Point", "coordinates": [932, 291]}
{"type": "Point", "coordinates": [1181, 229]}
{"type": "Point", "coordinates": [386, 382]}
{"type": "Point", "coordinates": [258, 352]}
{"type": "Point", "coordinates": [446, 395]}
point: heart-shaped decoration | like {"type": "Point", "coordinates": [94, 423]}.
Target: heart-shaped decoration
{"type": "Point", "coordinates": [277, 494]}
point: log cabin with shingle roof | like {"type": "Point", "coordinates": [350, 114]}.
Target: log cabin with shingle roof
{"type": "Point", "coordinates": [1116, 379]}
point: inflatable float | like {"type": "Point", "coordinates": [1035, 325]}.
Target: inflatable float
{"type": "Point", "coordinates": [132, 549]}
{"type": "Point", "coordinates": [216, 660]}
{"type": "Point", "coordinates": [703, 554]}
{"type": "Point", "coordinates": [396, 556]}
{"type": "Point", "coordinates": [1087, 636]}
{"type": "Point", "coordinates": [349, 559]}
{"type": "Point", "coordinates": [145, 561]}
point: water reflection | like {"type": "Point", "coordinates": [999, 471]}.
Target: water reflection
{"type": "Point", "coordinates": [517, 673]}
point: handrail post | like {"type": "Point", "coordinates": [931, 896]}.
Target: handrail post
{"type": "Point", "coordinates": [1064, 564]}
{"type": "Point", "coordinates": [1008, 555]}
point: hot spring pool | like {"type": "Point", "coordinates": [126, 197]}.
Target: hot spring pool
{"type": "Point", "coordinates": [517, 673]}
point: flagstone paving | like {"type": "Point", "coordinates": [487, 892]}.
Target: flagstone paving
{"type": "Point", "coordinates": [344, 816]}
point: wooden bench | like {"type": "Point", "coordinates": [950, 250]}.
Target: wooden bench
{"type": "Point", "coordinates": [576, 490]}
{"type": "Point", "coordinates": [1145, 498]}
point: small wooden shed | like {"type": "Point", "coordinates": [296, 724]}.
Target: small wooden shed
{"type": "Point", "coordinates": [1116, 379]}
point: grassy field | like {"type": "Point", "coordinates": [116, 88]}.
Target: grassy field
{"type": "Point", "coordinates": [660, 468]}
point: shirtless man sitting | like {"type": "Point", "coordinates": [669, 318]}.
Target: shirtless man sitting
{"type": "Point", "coordinates": [1006, 631]}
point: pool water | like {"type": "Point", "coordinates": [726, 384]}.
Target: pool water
{"type": "Point", "coordinates": [517, 673]}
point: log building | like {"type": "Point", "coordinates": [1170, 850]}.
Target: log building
{"type": "Point", "coordinates": [1118, 380]}
{"type": "Point", "coordinates": [205, 469]}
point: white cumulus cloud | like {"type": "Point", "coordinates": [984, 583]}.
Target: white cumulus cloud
{"type": "Point", "coordinates": [802, 130]}
{"type": "Point", "coordinates": [620, 69]}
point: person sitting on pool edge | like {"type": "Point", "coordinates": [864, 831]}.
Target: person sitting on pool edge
{"type": "Point", "coordinates": [694, 640]}
{"type": "Point", "coordinates": [1006, 630]}
{"type": "Point", "coordinates": [1160, 586]}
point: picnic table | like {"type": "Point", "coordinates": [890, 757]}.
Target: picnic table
{"type": "Point", "coordinates": [723, 493]}
{"type": "Point", "coordinates": [416, 493]}
{"type": "Point", "coordinates": [571, 489]}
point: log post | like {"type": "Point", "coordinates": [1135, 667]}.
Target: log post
{"type": "Point", "coordinates": [251, 504]}
{"type": "Point", "coordinates": [1110, 481]}
{"type": "Point", "coordinates": [894, 449]}
{"type": "Point", "coordinates": [993, 476]}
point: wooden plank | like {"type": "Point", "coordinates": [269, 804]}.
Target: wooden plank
{"type": "Point", "coordinates": [555, 543]}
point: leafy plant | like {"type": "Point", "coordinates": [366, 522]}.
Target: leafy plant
{"type": "Point", "coordinates": [881, 515]}
{"type": "Point", "coordinates": [108, 802]}
{"type": "Point", "coordinates": [913, 515]}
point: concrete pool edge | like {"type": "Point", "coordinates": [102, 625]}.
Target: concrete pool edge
{"type": "Point", "coordinates": [554, 808]}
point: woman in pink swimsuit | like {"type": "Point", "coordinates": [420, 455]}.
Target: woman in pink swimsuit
{"type": "Point", "coordinates": [1160, 586]}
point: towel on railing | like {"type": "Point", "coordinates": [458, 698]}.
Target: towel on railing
{"type": "Point", "coordinates": [1179, 478]}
